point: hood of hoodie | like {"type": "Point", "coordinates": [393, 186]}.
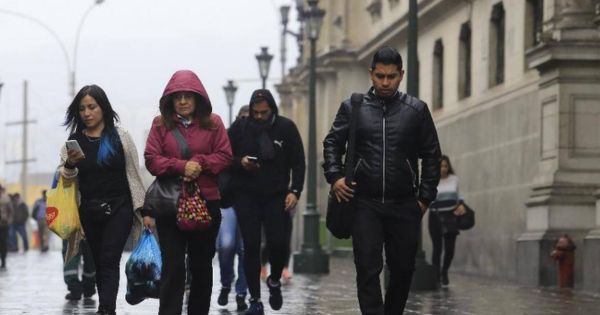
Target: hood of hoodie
{"type": "Point", "coordinates": [266, 95]}
{"type": "Point", "coordinates": [186, 81]}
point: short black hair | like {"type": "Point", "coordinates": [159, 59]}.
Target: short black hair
{"type": "Point", "coordinates": [387, 56]}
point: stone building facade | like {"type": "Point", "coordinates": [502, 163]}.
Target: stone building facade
{"type": "Point", "coordinates": [514, 88]}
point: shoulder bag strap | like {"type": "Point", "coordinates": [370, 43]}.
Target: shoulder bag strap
{"type": "Point", "coordinates": [355, 100]}
{"type": "Point", "coordinates": [183, 146]}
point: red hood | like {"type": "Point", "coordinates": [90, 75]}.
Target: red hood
{"type": "Point", "coordinates": [186, 81]}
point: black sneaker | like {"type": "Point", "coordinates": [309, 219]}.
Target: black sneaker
{"type": "Point", "coordinates": [275, 299]}
{"type": "Point", "coordinates": [256, 308]}
{"type": "Point", "coordinates": [71, 296]}
{"type": "Point", "coordinates": [89, 293]}
{"type": "Point", "coordinates": [240, 300]}
{"type": "Point", "coordinates": [222, 300]}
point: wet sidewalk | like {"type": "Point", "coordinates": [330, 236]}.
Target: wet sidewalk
{"type": "Point", "coordinates": [33, 284]}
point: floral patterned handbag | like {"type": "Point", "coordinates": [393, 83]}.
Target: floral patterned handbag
{"type": "Point", "coordinates": [192, 210]}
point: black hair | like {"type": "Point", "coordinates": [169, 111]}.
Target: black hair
{"type": "Point", "coordinates": [447, 159]}
{"type": "Point", "coordinates": [201, 112]}
{"type": "Point", "coordinates": [74, 123]}
{"type": "Point", "coordinates": [244, 111]}
{"type": "Point", "coordinates": [387, 56]}
{"type": "Point", "coordinates": [73, 120]}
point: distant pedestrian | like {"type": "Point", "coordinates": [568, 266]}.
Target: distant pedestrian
{"type": "Point", "coordinates": [20, 216]}
{"type": "Point", "coordinates": [6, 213]}
{"type": "Point", "coordinates": [394, 131]}
{"type": "Point", "coordinates": [229, 240]}
{"type": "Point", "coordinates": [268, 169]}
{"type": "Point", "coordinates": [39, 215]}
{"type": "Point", "coordinates": [186, 114]}
{"type": "Point", "coordinates": [443, 227]}
{"type": "Point", "coordinates": [86, 284]}
{"type": "Point", "coordinates": [109, 183]}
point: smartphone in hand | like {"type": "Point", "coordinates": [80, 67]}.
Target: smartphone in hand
{"type": "Point", "coordinates": [74, 145]}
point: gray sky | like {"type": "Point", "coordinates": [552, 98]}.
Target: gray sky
{"type": "Point", "coordinates": [130, 48]}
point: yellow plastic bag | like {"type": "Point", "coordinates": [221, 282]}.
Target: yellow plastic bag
{"type": "Point", "coordinates": [62, 214]}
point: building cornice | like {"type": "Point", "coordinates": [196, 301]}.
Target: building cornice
{"type": "Point", "coordinates": [429, 12]}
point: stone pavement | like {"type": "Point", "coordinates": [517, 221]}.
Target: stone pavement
{"type": "Point", "coordinates": [33, 284]}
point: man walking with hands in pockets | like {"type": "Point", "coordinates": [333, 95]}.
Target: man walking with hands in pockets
{"type": "Point", "coordinates": [394, 130]}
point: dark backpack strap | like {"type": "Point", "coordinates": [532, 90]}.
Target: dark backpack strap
{"type": "Point", "coordinates": [355, 100]}
{"type": "Point", "coordinates": [183, 146]}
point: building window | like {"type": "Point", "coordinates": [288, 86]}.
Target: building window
{"type": "Point", "coordinates": [374, 9]}
{"type": "Point", "coordinates": [464, 61]}
{"type": "Point", "coordinates": [534, 17]}
{"type": "Point", "coordinates": [438, 75]}
{"type": "Point", "coordinates": [496, 51]}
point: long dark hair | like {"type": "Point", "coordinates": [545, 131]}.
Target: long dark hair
{"type": "Point", "coordinates": [201, 112]}
{"type": "Point", "coordinates": [110, 138]}
{"type": "Point", "coordinates": [447, 159]}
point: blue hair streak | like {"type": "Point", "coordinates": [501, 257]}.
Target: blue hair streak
{"type": "Point", "coordinates": [108, 147]}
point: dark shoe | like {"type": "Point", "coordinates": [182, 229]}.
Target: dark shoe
{"type": "Point", "coordinates": [102, 311]}
{"type": "Point", "coordinates": [71, 296]}
{"type": "Point", "coordinates": [223, 296]}
{"type": "Point", "coordinates": [445, 280]}
{"type": "Point", "coordinates": [256, 308]}
{"type": "Point", "coordinates": [89, 293]}
{"type": "Point", "coordinates": [275, 299]}
{"type": "Point", "coordinates": [241, 303]}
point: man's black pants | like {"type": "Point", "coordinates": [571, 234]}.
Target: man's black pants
{"type": "Point", "coordinates": [253, 213]}
{"type": "Point", "coordinates": [200, 248]}
{"type": "Point", "coordinates": [3, 243]}
{"type": "Point", "coordinates": [396, 228]}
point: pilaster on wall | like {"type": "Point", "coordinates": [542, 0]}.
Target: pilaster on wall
{"type": "Point", "coordinates": [591, 254]}
{"type": "Point", "coordinates": [563, 193]}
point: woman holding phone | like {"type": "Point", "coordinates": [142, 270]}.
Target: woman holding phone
{"type": "Point", "coordinates": [103, 161]}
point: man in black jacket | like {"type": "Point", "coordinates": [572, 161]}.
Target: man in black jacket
{"type": "Point", "coordinates": [394, 130]}
{"type": "Point", "coordinates": [266, 149]}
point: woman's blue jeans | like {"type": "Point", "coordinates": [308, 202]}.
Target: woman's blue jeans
{"type": "Point", "coordinates": [229, 242]}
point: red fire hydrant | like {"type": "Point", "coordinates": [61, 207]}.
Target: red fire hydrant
{"type": "Point", "coordinates": [564, 254]}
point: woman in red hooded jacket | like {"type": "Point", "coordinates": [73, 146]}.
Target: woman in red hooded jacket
{"type": "Point", "coordinates": [185, 105]}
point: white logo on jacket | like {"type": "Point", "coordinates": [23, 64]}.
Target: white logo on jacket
{"type": "Point", "coordinates": [279, 143]}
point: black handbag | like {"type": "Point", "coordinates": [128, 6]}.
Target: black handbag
{"type": "Point", "coordinates": [162, 195]}
{"type": "Point", "coordinates": [467, 220]}
{"type": "Point", "coordinates": [340, 215]}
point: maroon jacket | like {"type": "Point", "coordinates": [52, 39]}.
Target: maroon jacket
{"type": "Point", "coordinates": [209, 147]}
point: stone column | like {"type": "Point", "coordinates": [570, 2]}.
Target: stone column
{"type": "Point", "coordinates": [563, 197]}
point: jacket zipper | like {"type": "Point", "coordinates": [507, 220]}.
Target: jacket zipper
{"type": "Point", "coordinates": [414, 178]}
{"type": "Point", "coordinates": [356, 166]}
{"type": "Point", "coordinates": [383, 194]}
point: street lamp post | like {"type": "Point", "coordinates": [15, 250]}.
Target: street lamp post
{"type": "Point", "coordinates": [264, 63]}
{"type": "Point", "coordinates": [299, 36]}
{"type": "Point", "coordinates": [230, 90]}
{"type": "Point", "coordinates": [83, 18]}
{"type": "Point", "coordinates": [71, 68]}
{"type": "Point", "coordinates": [311, 258]}
{"type": "Point", "coordinates": [424, 277]}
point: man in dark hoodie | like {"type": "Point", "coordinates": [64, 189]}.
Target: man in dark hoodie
{"type": "Point", "coordinates": [266, 149]}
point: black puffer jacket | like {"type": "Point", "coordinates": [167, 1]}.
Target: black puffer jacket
{"type": "Point", "coordinates": [391, 136]}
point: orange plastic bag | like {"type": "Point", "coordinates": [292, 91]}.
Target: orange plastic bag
{"type": "Point", "coordinates": [62, 214]}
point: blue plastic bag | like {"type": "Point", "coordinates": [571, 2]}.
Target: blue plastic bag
{"type": "Point", "coordinates": [143, 270]}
